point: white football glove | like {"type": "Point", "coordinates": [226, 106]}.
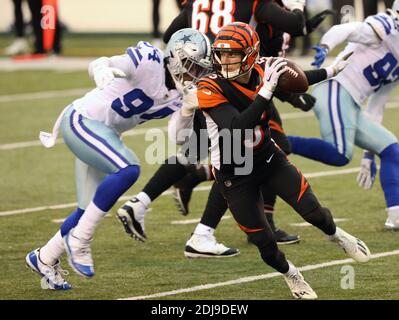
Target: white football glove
{"type": "Point", "coordinates": [294, 4]}
{"type": "Point", "coordinates": [190, 99]}
{"type": "Point", "coordinates": [368, 171]}
{"type": "Point", "coordinates": [103, 76]}
{"type": "Point", "coordinates": [338, 66]}
{"type": "Point", "coordinates": [273, 71]}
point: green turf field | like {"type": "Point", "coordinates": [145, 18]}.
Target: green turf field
{"type": "Point", "coordinates": [33, 176]}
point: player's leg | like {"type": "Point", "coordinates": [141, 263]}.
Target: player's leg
{"type": "Point", "coordinates": [134, 210]}
{"type": "Point", "coordinates": [99, 147]}
{"type": "Point", "coordinates": [337, 114]}
{"type": "Point", "coordinates": [289, 184]}
{"type": "Point", "coordinates": [202, 242]}
{"type": "Point", "coordinates": [46, 260]}
{"type": "Point", "coordinates": [374, 137]}
{"type": "Point", "coordinates": [246, 204]}
{"type": "Point", "coordinates": [183, 189]}
{"type": "Point", "coordinates": [269, 196]}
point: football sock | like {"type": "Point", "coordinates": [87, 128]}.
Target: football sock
{"type": "Point", "coordinates": [88, 222]}
{"type": "Point", "coordinates": [292, 271]}
{"type": "Point", "coordinates": [389, 174]}
{"type": "Point", "coordinates": [202, 229]}
{"type": "Point", "coordinates": [216, 207]}
{"type": "Point", "coordinates": [71, 221]}
{"type": "Point", "coordinates": [318, 150]}
{"type": "Point", "coordinates": [53, 250]}
{"type": "Point", "coordinates": [168, 173]}
{"type": "Point", "coordinates": [144, 199]}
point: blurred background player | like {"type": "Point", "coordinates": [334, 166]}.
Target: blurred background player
{"type": "Point", "coordinates": [20, 44]}
{"type": "Point", "coordinates": [372, 73]}
{"type": "Point", "coordinates": [131, 89]}
{"type": "Point", "coordinates": [156, 33]}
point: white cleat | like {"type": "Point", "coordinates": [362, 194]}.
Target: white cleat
{"type": "Point", "coordinates": [392, 222]}
{"type": "Point", "coordinates": [19, 45]}
{"type": "Point", "coordinates": [51, 276]}
{"type": "Point", "coordinates": [206, 246]}
{"type": "Point", "coordinates": [299, 287]}
{"type": "Point", "coordinates": [354, 247]}
{"type": "Point", "coordinates": [132, 214]}
{"type": "Point", "coordinates": [79, 255]}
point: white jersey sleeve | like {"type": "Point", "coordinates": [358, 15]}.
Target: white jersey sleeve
{"type": "Point", "coordinates": [180, 127]}
{"type": "Point", "coordinates": [141, 96]}
{"type": "Point", "coordinates": [358, 32]}
{"type": "Point", "coordinates": [382, 25]}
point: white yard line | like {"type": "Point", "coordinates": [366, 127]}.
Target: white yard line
{"type": "Point", "coordinates": [255, 278]}
{"type": "Point", "coordinates": [167, 192]}
{"type": "Point", "coordinates": [306, 224]}
{"type": "Point", "coordinates": [192, 221]}
{"type": "Point", "coordinates": [43, 95]}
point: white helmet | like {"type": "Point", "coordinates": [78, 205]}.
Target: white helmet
{"type": "Point", "coordinates": [188, 57]}
{"type": "Point", "coordinates": [394, 12]}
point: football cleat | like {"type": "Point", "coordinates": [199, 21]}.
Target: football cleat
{"type": "Point", "coordinates": [182, 198]}
{"type": "Point", "coordinates": [355, 248]}
{"type": "Point", "coordinates": [79, 255]}
{"type": "Point", "coordinates": [300, 289]}
{"type": "Point", "coordinates": [51, 276]}
{"type": "Point", "coordinates": [392, 222]}
{"type": "Point", "coordinates": [205, 246]}
{"type": "Point", "coordinates": [283, 237]}
{"type": "Point", "coordinates": [131, 214]}
{"type": "Point", "coordinates": [18, 46]}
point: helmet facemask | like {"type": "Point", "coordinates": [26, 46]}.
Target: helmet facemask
{"type": "Point", "coordinates": [394, 12]}
{"type": "Point", "coordinates": [188, 57]}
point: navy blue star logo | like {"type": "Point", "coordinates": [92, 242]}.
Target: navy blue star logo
{"type": "Point", "coordinates": [186, 38]}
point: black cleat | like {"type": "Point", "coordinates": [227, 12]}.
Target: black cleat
{"type": "Point", "coordinates": [129, 214]}
{"type": "Point", "coordinates": [283, 237]}
{"type": "Point", "coordinates": [182, 198]}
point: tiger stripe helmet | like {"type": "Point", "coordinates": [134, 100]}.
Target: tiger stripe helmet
{"type": "Point", "coordinates": [236, 37]}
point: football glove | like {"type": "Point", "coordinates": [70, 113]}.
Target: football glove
{"type": "Point", "coordinates": [368, 171]}
{"type": "Point", "coordinates": [273, 71]}
{"type": "Point", "coordinates": [190, 99]}
{"type": "Point", "coordinates": [320, 56]}
{"type": "Point", "coordinates": [294, 4]}
{"type": "Point", "coordinates": [315, 21]}
{"type": "Point", "coordinates": [303, 101]}
{"type": "Point", "coordinates": [338, 66]}
{"type": "Point", "coordinates": [103, 76]}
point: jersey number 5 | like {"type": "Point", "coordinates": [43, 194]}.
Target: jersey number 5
{"type": "Point", "coordinates": [222, 12]}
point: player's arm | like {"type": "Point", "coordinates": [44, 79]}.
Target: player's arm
{"type": "Point", "coordinates": [292, 22]}
{"type": "Point", "coordinates": [103, 70]}
{"type": "Point", "coordinates": [367, 33]}
{"type": "Point", "coordinates": [178, 23]}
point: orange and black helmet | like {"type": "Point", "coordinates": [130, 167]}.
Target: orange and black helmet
{"type": "Point", "coordinates": [236, 37]}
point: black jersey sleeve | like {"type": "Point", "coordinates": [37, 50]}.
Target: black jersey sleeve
{"type": "Point", "coordinates": [226, 116]}
{"type": "Point", "coordinates": [180, 22]}
{"type": "Point", "coordinates": [316, 76]}
{"type": "Point", "coordinates": [291, 22]}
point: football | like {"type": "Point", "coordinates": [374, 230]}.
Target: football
{"type": "Point", "coordinates": [293, 80]}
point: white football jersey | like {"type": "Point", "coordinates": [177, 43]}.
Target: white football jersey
{"type": "Point", "coordinates": [141, 96]}
{"type": "Point", "coordinates": [372, 67]}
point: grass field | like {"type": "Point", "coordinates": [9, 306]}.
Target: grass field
{"type": "Point", "coordinates": [33, 176]}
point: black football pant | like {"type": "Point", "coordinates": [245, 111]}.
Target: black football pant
{"type": "Point", "coordinates": [216, 205]}
{"type": "Point", "coordinates": [244, 198]}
